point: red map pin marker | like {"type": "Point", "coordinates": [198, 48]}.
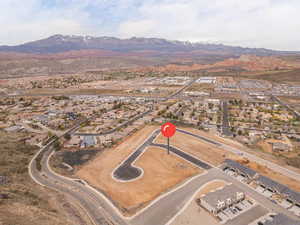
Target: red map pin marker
{"type": "Point", "coordinates": [168, 129]}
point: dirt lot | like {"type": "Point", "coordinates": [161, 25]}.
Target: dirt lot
{"type": "Point", "coordinates": [290, 100]}
{"type": "Point", "coordinates": [266, 145]}
{"type": "Point", "coordinates": [161, 172]}
{"type": "Point", "coordinates": [196, 147]}
{"type": "Point", "coordinates": [265, 155]}
{"type": "Point", "coordinates": [286, 76]}
{"type": "Point", "coordinates": [193, 211]}
{"type": "Point", "coordinates": [213, 136]}
{"type": "Point", "coordinates": [201, 87]}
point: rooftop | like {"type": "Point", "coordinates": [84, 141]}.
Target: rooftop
{"type": "Point", "coordinates": [88, 141]}
{"type": "Point", "coordinates": [281, 219]}
{"type": "Point", "coordinates": [271, 183]}
{"type": "Point", "coordinates": [295, 196]}
{"type": "Point", "coordinates": [240, 167]}
{"type": "Point", "coordinates": [228, 191]}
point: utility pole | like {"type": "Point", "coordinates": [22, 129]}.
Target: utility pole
{"type": "Point", "coordinates": [168, 130]}
{"type": "Point", "coordinates": [168, 146]}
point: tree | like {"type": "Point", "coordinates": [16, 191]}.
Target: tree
{"type": "Point", "coordinates": [50, 134]}
{"type": "Point", "coordinates": [67, 136]}
{"type": "Point", "coordinates": [56, 145]}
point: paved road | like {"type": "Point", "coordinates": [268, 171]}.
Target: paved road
{"type": "Point", "coordinates": [225, 127]}
{"type": "Point", "coordinates": [97, 208]}
{"type": "Point", "coordinates": [127, 171]}
{"type": "Point", "coordinates": [85, 94]}
{"type": "Point", "coordinates": [100, 211]}
{"type": "Point", "coordinates": [277, 168]}
{"type": "Point", "coordinates": [118, 127]}
{"type": "Point", "coordinates": [160, 212]}
{"type": "Point", "coordinates": [49, 180]}
{"type": "Point", "coordinates": [202, 138]}
{"type": "Point", "coordinates": [197, 162]}
{"type": "Point", "coordinates": [182, 89]}
{"type": "Point", "coordinates": [296, 114]}
{"type": "Point", "coordinates": [249, 216]}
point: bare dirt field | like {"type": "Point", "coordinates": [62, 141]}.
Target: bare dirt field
{"type": "Point", "coordinates": [161, 172]}
{"type": "Point", "coordinates": [290, 99]}
{"type": "Point", "coordinates": [266, 145]}
{"type": "Point", "coordinates": [258, 152]}
{"type": "Point", "coordinates": [194, 212]}
{"type": "Point", "coordinates": [213, 136]}
{"type": "Point", "coordinates": [264, 153]}
{"type": "Point", "coordinates": [201, 87]}
{"type": "Point", "coordinates": [131, 87]}
{"type": "Point", "coordinates": [202, 150]}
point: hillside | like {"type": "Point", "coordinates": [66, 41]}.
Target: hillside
{"type": "Point", "coordinates": [61, 43]}
{"type": "Point", "coordinates": [60, 54]}
{"type": "Point", "coordinates": [23, 202]}
{"type": "Point", "coordinates": [243, 63]}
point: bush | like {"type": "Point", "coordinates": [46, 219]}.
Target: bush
{"type": "Point", "coordinates": [67, 136]}
{"type": "Point", "coordinates": [295, 162]}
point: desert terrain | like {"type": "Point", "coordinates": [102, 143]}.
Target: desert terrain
{"type": "Point", "coordinates": [23, 202]}
{"type": "Point", "coordinates": [202, 150]}
{"type": "Point", "coordinates": [159, 168]}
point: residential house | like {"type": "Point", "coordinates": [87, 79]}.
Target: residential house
{"type": "Point", "coordinates": [221, 199]}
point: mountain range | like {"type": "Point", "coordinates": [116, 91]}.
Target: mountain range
{"type": "Point", "coordinates": [68, 54]}
{"type": "Point", "coordinates": [63, 43]}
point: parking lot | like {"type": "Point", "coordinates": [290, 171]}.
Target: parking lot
{"type": "Point", "coordinates": [235, 210]}
{"type": "Point", "coordinates": [268, 192]}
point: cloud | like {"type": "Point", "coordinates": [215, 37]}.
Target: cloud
{"type": "Point", "coordinates": [256, 23]}
{"type": "Point", "coordinates": [32, 20]}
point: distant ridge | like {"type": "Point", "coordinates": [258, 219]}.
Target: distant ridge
{"type": "Point", "coordinates": [64, 43]}
{"type": "Point", "coordinates": [70, 54]}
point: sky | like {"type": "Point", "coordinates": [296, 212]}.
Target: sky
{"type": "Point", "coordinates": [273, 24]}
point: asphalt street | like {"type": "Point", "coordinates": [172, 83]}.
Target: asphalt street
{"type": "Point", "coordinates": [97, 208]}
{"type": "Point", "coordinates": [200, 137]}
{"type": "Point", "coordinates": [277, 168]}
{"type": "Point", "coordinates": [102, 212]}
{"type": "Point", "coordinates": [197, 162]}
{"type": "Point", "coordinates": [126, 171]}
{"type": "Point", "coordinates": [160, 212]}
{"type": "Point", "coordinates": [296, 114]}
{"type": "Point", "coordinates": [249, 216]}
{"type": "Point", "coordinates": [95, 205]}
{"type": "Point", "coordinates": [116, 128]}
{"type": "Point", "coordinates": [225, 128]}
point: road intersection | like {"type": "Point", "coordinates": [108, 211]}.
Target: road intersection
{"type": "Point", "coordinates": [160, 211]}
{"type": "Point", "coordinates": [102, 211]}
